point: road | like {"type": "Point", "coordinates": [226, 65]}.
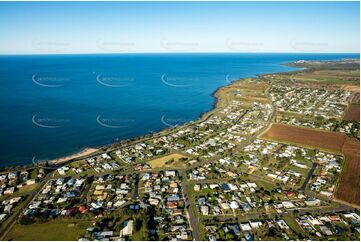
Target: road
{"type": "Point", "coordinates": [193, 221]}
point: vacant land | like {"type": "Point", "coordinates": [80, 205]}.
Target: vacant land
{"type": "Point", "coordinates": [330, 141]}
{"type": "Point", "coordinates": [351, 147]}
{"type": "Point", "coordinates": [346, 73]}
{"type": "Point", "coordinates": [252, 86]}
{"type": "Point", "coordinates": [21, 192]}
{"type": "Point", "coordinates": [59, 229]}
{"type": "Point", "coordinates": [348, 188]}
{"type": "Point", "coordinates": [252, 99]}
{"type": "Point", "coordinates": [356, 97]}
{"type": "Point", "coordinates": [329, 76]}
{"type": "Point", "coordinates": [353, 113]}
{"type": "Point", "coordinates": [169, 161]}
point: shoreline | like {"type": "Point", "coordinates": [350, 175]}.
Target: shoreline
{"type": "Point", "coordinates": [202, 116]}
{"type": "Point", "coordinates": [84, 152]}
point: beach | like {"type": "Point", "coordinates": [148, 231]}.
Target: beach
{"type": "Point", "coordinates": [84, 152]}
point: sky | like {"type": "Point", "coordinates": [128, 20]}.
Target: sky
{"type": "Point", "coordinates": [127, 27]}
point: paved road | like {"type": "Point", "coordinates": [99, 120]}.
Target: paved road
{"type": "Point", "coordinates": [193, 221]}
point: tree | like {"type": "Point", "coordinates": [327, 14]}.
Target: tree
{"type": "Point", "coordinates": [24, 220]}
{"type": "Point", "coordinates": [230, 236]}
{"type": "Point", "coordinates": [138, 224]}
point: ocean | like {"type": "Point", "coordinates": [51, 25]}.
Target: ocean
{"type": "Point", "coordinates": [55, 105]}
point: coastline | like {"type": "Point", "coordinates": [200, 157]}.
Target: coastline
{"type": "Point", "coordinates": [202, 116]}
{"type": "Point", "coordinates": [64, 159]}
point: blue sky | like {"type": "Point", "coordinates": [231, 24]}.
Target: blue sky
{"type": "Point", "coordinates": [120, 27]}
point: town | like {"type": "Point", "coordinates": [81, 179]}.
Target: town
{"type": "Point", "coordinates": [230, 175]}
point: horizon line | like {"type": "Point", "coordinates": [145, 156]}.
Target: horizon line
{"type": "Point", "coordinates": [214, 52]}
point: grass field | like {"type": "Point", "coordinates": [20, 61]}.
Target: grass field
{"type": "Point", "coordinates": [21, 192]}
{"type": "Point", "coordinates": [291, 222]}
{"type": "Point", "coordinates": [168, 161]}
{"type": "Point", "coordinates": [58, 229]}
{"type": "Point", "coordinates": [252, 86]}
{"type": "Point", "coordinates": [319, 75]}
{"type": "Point", "coordinates": [25, 190]}
{"type": "Point", "coordinates": [329, 76]}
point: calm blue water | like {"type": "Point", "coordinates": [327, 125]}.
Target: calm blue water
{"type": "Point", "coordinates": [55, 105]}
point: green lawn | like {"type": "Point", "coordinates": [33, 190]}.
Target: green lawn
{"type": "Point", "coordinates": [25, 190]}
{"type": "Point", "coordinates": [58, 229]}
{"type": "Point", "coordinates": [142, 233]}
{"type": "Point", "coordinates": [266, 185]}
{"type": "Point", "coordinates": [290, 220]}
{"type": "Point", "coordinates": [15, 210]}
{"type": "Point", "coordinates": [34, 174]}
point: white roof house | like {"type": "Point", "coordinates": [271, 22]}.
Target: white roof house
{"type": "Point", "coordinates": [128, 229]}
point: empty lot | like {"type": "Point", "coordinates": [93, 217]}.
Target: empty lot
{"type": "Point", "coordinates": [353, 113]}
{"type": "Point", "coordinates": [169, 161]}
{"type": "Point", "coordinates": [330, 141]}
{"type": "Point", "coordinates": [348, 187]}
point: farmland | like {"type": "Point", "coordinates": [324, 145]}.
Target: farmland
{"type": "Point", "coordinates": [348, 189]}
{"type": "Point", "coordinates": [329, 141]}
{"type": "Point", "coordinates": [353, 113]}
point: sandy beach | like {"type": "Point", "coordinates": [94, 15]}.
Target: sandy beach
{"type": "Point", "coordinates": [84, 152]}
